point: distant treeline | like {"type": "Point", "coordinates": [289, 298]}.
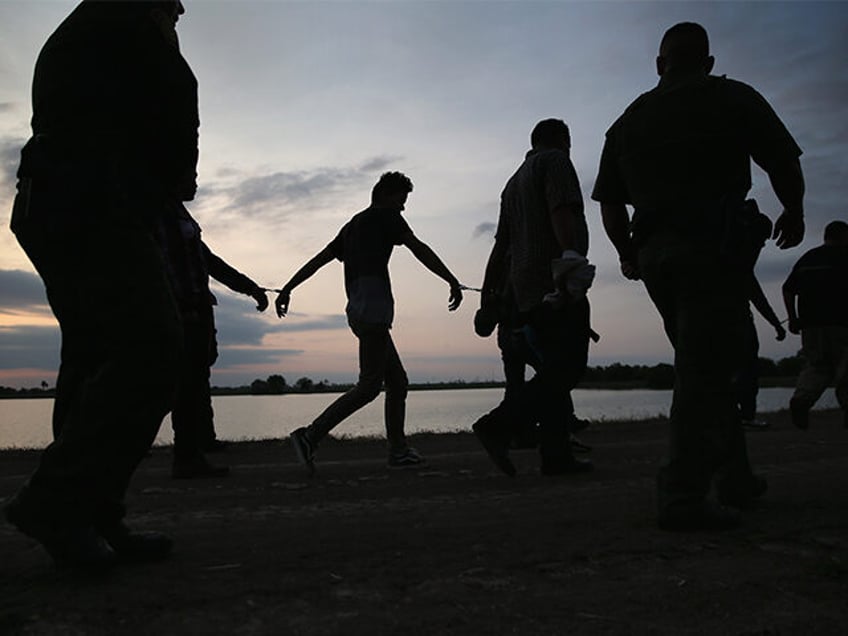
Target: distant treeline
{"type": "Point", "coordinates": [661, 376]}
{"type": "Point", "coordinates": [614, 376]}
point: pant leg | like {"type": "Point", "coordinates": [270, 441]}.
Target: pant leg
{"type": "Point", "coordinates": [839, 342]}
{"type": "Point", "coordinates": [121, 347]}
{"type": "Point", "coordinates": [206, 432]}
{"type": "Point", "coordinates": [563, 344]}
{"type": "Point", "coordinates": [746, 379]}
{"type": "Point", "coordinates": [397, 387]}
{"type": "Point", "coordinates": [704, 309]}
{"type": "Point", "coordinates": [516, 415]}
{"type": "Point", "coordinates": [374, 345]}
{"type": "Point", "coordinates": [192, 413]}
{"type": "Point", "coordinates": [819, 367]}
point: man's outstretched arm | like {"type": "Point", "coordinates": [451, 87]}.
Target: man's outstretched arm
{"type": "Point", "coordinates": [224, 273]}
{"type": "Point", "coordinates": [429, 259]}
{"type": "Point", "coordinates": [304, 273]}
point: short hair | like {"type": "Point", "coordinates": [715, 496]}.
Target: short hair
{"type": "Point", "coordinates": [391, 183]}
{"type": "Point", "coordinates": [548, 132]}
{"type": "Point", "coordinates": [686, 45]}
{"type": "Point", "coordinates": [836, 231]}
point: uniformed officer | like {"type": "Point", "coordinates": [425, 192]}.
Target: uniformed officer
{"type": "Point", "coordinates": [680, 155]}
{"type": "Point", "coordinates": [114, 139]}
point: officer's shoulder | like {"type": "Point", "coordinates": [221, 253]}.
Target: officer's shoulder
{"type": "Point", "coordinates": [732, 87]}
{"type": "Point", "coordinates": [635, 106]}
{"type": "Point", "coordinates": [639, 102]}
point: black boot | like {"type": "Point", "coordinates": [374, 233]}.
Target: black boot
{"type": "Point", "coordinates": [76, 546]}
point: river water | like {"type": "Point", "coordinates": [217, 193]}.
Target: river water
{"type": "Point", "coordinates": [25, 423]}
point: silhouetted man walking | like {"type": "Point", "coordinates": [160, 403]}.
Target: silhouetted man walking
{"type": "Point", "coordinates": [539, 256]}
{"type": "Point", "coordinates": [816, 298]}
{"type": "Point", "coordinates": [190, 264]}
{"type": "Point", "coordinates": [680, 155]}
{"type": "Point", "coordinates": [114, 139]}
{"type": "Point", "coordinates": [364, 245]}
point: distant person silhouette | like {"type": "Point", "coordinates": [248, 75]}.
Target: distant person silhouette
{"type": "Point", "coordinates": [190, 264]}
{"type": "Point", "coordinates": [364, 245]}
{"type": "Point", "coordinates": [746, 380]}
{"type": "Point", "coordinates": [114, 139]}
{"type": "Point", "coordinates": [816, 299]}
{"type": "Point", "coordinates": [539, 255]}
{"type": "Point", "coordinates": [680, 155]}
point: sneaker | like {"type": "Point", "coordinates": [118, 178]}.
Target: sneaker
{"type": "Point", "coordinates": [408, 458]}
{"type": "Point", "coordinates": [304, 449]}
{"type": "Point", "coordinates": [800, 414]}
{"type": "Point", "coordinates": [755, 424]}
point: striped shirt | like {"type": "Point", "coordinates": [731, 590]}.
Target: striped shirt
{"type": "Point", "coordinates": [545, 181]}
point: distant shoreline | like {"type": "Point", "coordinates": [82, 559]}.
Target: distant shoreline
{"type": "Point", "coordinates": [774, 382]}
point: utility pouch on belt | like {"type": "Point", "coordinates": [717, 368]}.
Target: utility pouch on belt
{"type": "Point", "coordinates": [21, 205]}
{"type": "Point", "coordinates": [21, 208]}
{"type": "Point", "coordinates": [745, 232]}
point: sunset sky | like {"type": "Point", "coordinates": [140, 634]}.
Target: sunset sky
{"type": "Point", "coordinates": [304, 104]}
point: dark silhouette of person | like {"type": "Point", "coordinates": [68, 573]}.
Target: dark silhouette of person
{"type": "Point", "coordinates": [514, 422]}
{"type": "Point", "coordinates": [746, 380]}
{"type": "Point", "coordinates": [816, 297]}
{"type": "Point", "coordinates": [114, 140]}
{"type": "Point", "coordinates": [190, 264]}
{"type": "Point", "coordinates": [539, 256]}
{"type": "Point", "coordinates": [364, 245]}
{"type": "Point", "coordinates": [681, 156]}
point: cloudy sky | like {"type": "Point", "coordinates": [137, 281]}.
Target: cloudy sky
{"type": "Point", "coordinates": [304, 104]}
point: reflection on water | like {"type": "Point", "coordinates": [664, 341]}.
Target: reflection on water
{"type": "Point", "coordinates": [26, 423]}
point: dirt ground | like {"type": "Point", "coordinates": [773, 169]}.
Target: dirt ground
{"type": "Point", "coordinates": [456, 547]}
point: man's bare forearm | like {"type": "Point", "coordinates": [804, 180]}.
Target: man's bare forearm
{"type": "Point", "coordinates": [616, 222]}
{"type": "Point", "coordinates": [312, 265]}
{"type": "Point", "coordinates": [787, 181]}
{"type": "Point", "coordinates": [761, 303]}
{"type": "Point", "coordinates": [429, 259]}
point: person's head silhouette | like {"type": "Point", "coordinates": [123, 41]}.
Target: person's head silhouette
{"type": "Point", "coordinates": [391, 190]}
{"type": "Point", "coordinates": [685, 48]}
{"type": "Point", "coordinates": [551, 133]}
